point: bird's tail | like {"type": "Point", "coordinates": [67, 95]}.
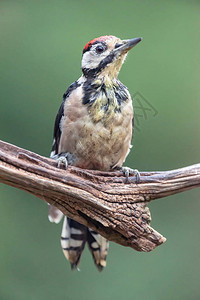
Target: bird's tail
{"type": "Point", "coordinates": [54, 214]}
{"type": "Point", "coordinates": [73, 239]}
{"type": "Point", "coordinates": [98, 246]}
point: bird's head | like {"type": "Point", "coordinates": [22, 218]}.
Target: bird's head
{"type": "Point", "coordinates": [105, 55]}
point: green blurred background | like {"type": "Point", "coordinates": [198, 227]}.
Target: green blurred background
{"type": "Point", "coordinates": [41, 46]}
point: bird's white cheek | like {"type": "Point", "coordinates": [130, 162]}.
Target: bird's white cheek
{"type": "Point", "coordinates": [91, 61]}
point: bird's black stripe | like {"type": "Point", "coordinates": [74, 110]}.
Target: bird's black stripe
{"type": "Point", "coordinates": [71, 88]}
{"type": "Point", "coordinates": [91, 91]}
{"type": "Point", "coordinates": [106, 61]}
{"type": "Point", "coordinates": [120, 91]}
{"type": "Point", "coordinates": [64, 238]}
{"type": "Point", "coordinates": [60, 114]}
{"type": "Point", "coordinates": [73, 248]}
{"type": "Point", "coordinates": [77, 236]}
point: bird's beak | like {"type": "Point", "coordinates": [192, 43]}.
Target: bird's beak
{"type": "Point", "coordinates": [126, 45]}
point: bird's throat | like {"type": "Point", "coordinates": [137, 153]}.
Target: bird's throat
{"type": "Point", "coordinates": [104, 104]}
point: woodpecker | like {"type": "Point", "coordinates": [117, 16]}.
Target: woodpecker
{"type": "Point", "coordinates": [93, 130]}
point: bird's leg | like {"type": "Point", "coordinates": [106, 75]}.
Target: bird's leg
{"type": "Point", "coordinates": [128, 171]}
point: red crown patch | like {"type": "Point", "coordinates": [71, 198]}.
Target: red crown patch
{"type": "Point", "coordinates": [94, 41]}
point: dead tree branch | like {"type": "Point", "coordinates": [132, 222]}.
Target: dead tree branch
{"type": "Point", "coordinates": [100, 200]}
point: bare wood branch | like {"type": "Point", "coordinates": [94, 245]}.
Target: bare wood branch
{"type": "Point", "coordinates": [100, 200]}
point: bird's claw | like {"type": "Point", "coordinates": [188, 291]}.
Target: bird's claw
{"type": "Point", "coordinates": [62, 160]}
{"type": "Point", "coordinates": [128, 171]}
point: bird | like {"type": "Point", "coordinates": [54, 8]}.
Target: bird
{"type": "Point", "coordinates": [93, 130]}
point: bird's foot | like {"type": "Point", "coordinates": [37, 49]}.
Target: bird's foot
{"type": "Point", "coordinates": [61, 159]}
{"type": "Point", "coordinates": [128, 171]}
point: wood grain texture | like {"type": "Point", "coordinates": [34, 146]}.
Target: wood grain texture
{"type": "Point", "coordinates": [102, 201]}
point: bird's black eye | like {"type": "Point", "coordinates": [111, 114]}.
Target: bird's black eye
{"type": "Point", "coordinates": [99, 49]}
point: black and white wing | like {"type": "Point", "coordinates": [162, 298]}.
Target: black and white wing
{"type": "Point", "coordinates": [55, 215]}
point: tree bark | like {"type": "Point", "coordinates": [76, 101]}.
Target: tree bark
{"type": "Point", "coordinates": [102, 201]}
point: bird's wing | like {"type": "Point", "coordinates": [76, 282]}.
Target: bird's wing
{"type": "Point", "coordinates": [57, 131]}
{"type": "Point", "coordinates": [60, 114]}
{"type": "Point", "coordinates": [54, 214]}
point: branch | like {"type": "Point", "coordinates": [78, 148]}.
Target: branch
{"type": "Point", "coordinates": [99, 200]}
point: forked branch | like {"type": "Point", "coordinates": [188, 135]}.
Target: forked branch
{"type": "Point", "coordinates": [101, 200]}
